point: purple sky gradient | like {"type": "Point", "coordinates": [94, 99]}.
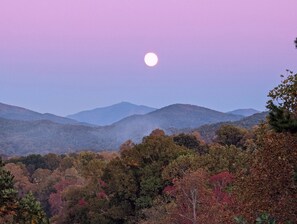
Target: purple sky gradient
{"type": "Point", "coordinates": [64, 56]}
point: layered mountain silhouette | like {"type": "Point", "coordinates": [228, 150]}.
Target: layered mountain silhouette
{"type": "Point", "coordinates": [22, 114]}
{"type": "Point", "coordinates": [26, 132]}
{"type": "Point", "coordinates": [244, 112]}
{"type": "Point", "coordinates": [178, 116]}
{"type": "Point", "coordinates": [109, 115]}
{"type": "Point", "coordinates": [208, 132]}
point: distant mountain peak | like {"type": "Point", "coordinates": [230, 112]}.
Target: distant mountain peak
{"type": "Point", "coordinates": [190, 108]}
{"type": "Point", "coordinates": [111, 114]}
{"type": "Point", "coordinates": [178, 116]}
{"type": "Point", "coordinates": [124, 102]}
{"type": "Point", "coordinates": [244, 112]}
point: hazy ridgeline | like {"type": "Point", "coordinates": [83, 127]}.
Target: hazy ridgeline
{"type": "Point", "coordinates": [26, 131]}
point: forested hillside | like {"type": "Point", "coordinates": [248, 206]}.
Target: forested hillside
{"type": "Point", "coordinates": [21, 137]}
{"type": "Point", "coordinates": [240, 176]}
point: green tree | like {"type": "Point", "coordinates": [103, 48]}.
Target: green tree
{"type": "Point", "coordinates": [283, 105]}
{"type": "Point", "coordinates": [66, 163]}
{"type": "Point", "coordinates": [52, 161]}
{"type": "Point", "coordinates": [181, 166]}
{"type": "Point", "coordinates": [190, 142]}
{"type": "Point", "coordinates": [89, 164]}
{"type": "Point", "coordinates": [151, 157]}
{"type": "Point", "coordinates": [30, 211]}
{"type": "Point", "coordinates": [135, 180]}
{"type": "Point", "coordinates": [33, 162]}
{"type": "Point", "coordinates": [8, 195]}
{"type": "Point", "coordinates": [230, 135]}
{"type": "Point", "coordinates": [223, 158]}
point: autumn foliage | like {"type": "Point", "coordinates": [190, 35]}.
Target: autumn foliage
{"type": "Point", "coordinates": [270, 183]}
{"type": "Point", "coordinates": [244, 176]}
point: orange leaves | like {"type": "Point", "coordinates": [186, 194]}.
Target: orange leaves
{"type": "Point", "coordinates": [269, 186]}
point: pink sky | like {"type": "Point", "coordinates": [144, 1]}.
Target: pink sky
{"type": "Point", "coordinates": [219, 54]}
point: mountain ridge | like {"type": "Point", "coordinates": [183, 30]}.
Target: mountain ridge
{"type": "Point", "coordinates": [244, 112]}
{"type": "Point", "coordinates": [108, 115]}
{"type": "Point", "coordinates": [208, 131]}
{"type": "Point", "coordinates": [19, 113]}
{"type": "Point", "coordinates": [187, 115]}
{"type": "Point", "coordinates": [43, 136]}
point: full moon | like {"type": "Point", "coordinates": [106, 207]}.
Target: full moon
{"type": "Point", "coordinates": [151, 59]}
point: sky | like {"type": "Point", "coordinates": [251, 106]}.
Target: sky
{"type": "Point", "coordinates": [65, 56]}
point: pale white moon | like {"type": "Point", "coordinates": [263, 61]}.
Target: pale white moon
{"type": "Point", "coordinates": [151, 59]}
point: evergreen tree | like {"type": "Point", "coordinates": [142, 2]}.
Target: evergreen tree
{"type": "Point", "coordinates": [8, 195]}
{"type": "Point", "coordinates": [283, 105]}
{"type": "Point", "coordinates": [30, 211]}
